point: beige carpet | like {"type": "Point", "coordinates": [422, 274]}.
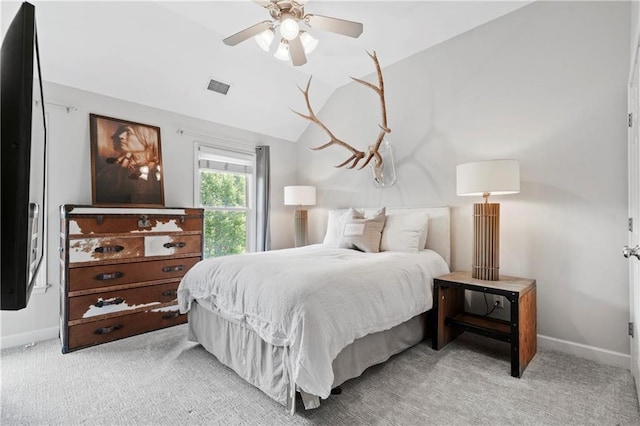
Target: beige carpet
{"type": "Point", "coordinates": [160, 378]}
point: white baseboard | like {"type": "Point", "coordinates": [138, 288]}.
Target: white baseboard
{"type": "Point", "coordinates": [603, 356]}
{"type": "Point", "coordinates": [28, 338]}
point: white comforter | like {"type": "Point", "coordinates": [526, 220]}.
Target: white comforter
{"type": "Point", "coordinates": [314, 300]}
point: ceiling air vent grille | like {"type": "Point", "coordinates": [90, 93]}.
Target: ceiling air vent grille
{"type": "Point", "coordinates": [218, 86]}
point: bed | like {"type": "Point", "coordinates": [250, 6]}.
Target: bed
{"type": "Point", "coordinates": [308, 319]}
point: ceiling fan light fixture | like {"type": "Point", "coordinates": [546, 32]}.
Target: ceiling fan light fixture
{"type": "Point", "coordinates": [289, 27]}
{"type": "Point", "coordinates": [282, 52]}
{"type": "Point", "coordinates": [309, 43]}
{"type": "Point", "coordinates": [294, 44]}
{"type": "Point", "coordinates": [265, 38]}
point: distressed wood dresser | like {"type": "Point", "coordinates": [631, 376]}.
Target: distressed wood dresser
{"type": "Point", "coordinates": [120, 270]}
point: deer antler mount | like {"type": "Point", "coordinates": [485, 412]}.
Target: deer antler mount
{"type": "Point", "coordinates": [372, 156]}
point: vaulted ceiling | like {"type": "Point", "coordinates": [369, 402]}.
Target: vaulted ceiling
{"type": "Point", "coordinates": [163, 54]}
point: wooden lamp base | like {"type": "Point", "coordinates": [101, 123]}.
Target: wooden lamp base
{"type": "Point", "coordinates": [486, 241]}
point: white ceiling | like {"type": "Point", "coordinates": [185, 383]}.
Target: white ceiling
{"type": "Point", "coordinates": [162, 54]}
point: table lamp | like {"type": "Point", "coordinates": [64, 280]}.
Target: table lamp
{"type": "Point", "coordinates": [300, 196]}
{"type": "Point", "coordinates": [492, 177]}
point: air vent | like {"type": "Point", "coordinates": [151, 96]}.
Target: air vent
{"type": "Point", "coordinates": [218, 86]}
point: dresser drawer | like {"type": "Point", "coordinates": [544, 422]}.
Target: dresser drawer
{"type": "Point", "coordinates": [190, 221]}
{"type": "Point", "coordinates": [121, 300]}
{"type": "Point", "coordinates": [101, 331]}
{"type": "Point", "coordinates": [100, 249]}
{"type": "Point", "coordinates": [93, 277]}
{"type": "Point", "coordinates": [169, 245]}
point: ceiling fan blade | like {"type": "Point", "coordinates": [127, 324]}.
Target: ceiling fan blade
{"type": "Point", "coordinates": [247, 33]}
{"type": "Point", "coordinates": [335, 25]}
{"type": "Point", "coordinates": [296, 50]}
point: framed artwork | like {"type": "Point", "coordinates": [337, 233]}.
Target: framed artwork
{"type": "Point", "coordinates": [126, 163]}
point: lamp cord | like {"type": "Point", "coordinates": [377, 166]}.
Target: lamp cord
{"type": "Point", "coordinates": [486, 304]}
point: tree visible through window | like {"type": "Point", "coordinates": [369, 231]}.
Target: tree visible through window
{"type": "Point", "coordinates": [224, 194]}
{"type": "Point", "coordinates": [226, 223]}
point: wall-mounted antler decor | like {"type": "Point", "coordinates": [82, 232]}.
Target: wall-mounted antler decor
{"type": "Point", "coordinates": [378, 155]}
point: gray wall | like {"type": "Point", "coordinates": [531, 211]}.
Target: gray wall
{"type": "Point", "coordinates": [635, 25]}
{"type": "Point", "coordinates": [69, 182]}
{"type": "Point", "coordinates": [545, 85]}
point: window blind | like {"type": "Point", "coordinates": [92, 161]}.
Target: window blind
{"type": "Point", "coordinates": [225, 166]}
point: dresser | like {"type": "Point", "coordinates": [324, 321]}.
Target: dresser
{"type": "Point", "coordinates": [120, 269]}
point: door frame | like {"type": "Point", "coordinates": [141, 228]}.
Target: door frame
{"type": "Point", "coordinates": [633, 97]}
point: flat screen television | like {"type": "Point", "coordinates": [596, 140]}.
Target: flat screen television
{"type": "Point", "coordinates": [23, 159]}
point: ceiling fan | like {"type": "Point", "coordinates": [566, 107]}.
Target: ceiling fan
{"type": "Point", "coordinates": [295, 43]}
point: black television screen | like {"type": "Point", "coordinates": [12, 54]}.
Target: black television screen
{"type": "Point", "coordinates": [23, 159]}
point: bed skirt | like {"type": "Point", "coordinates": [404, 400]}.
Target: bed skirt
{"type": "Point", "coordinates": [263, 365]}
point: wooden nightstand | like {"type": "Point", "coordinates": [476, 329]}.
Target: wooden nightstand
{"type": "Point", "coordinates": [450, 319]}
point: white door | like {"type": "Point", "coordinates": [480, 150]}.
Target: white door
{"type": "Point", "coordinates": [632, 251]}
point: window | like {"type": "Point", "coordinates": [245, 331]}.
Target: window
{"type": "Point", "coordinates": [225, 191]}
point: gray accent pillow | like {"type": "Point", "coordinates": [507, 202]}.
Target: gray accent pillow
{"type": "Point", "coordinates": [360, 233]}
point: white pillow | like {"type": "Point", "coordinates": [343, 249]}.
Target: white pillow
{"type": "Point", "coordinates": [362, 234]}
{"type": "Point", "coordinates": [336, 219]}
{"type": "Point", "coordinates": [405, 232]}
{"type": "Point", "coordinates": [334, 225]}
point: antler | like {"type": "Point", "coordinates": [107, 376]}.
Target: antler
{"type": "Point", "coordinates": [356, 155]}
{"type": "Point", "coordinates": [373, 151]}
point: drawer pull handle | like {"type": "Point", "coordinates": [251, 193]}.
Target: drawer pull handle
{"type": "Point", "coordinates": [116, 301]}
{"type": "Point", "coordinates": [168, 293]}
{"type": "Point", "coordinates": [106, 330]}
{"type": "Point", "coordinates": [143, 222]}
{"type": "Point", "coordinates": [178, 245]}
{"type": "Point", "coordinates": [111, 276]}
{"type": "Point", "coordinates": [108, 249]}
{"type": "Point", "coordinates": [171, 315]}
{"type": "Point", "coordinates": [173, 268]}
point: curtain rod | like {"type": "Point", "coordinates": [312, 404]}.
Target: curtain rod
{"type": "Point", "coordinates": [229, 144]}
{"type": "Point", "coordinates": [69, 108]}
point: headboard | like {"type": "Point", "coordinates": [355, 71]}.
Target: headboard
{"type": "Point", "coordinates": [439, 233]}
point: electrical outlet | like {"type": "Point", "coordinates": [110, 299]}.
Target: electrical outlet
{"type": "Point", "coordinates": [499, 301]}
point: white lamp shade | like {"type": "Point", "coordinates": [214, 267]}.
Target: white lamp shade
{"type": "Point", "coordinates": [496, 177]}
{"type": "Point", "coordinates": [309, 43]}
{"type": "Point", "coordinates": [282, 52]}
{"type": "Point", "coordinates": [264, 39]}
{"type": "Point", "coordinates": [300, 195]}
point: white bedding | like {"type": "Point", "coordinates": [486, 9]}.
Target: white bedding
{"type": "Point", "coordinates": [314, 300]}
